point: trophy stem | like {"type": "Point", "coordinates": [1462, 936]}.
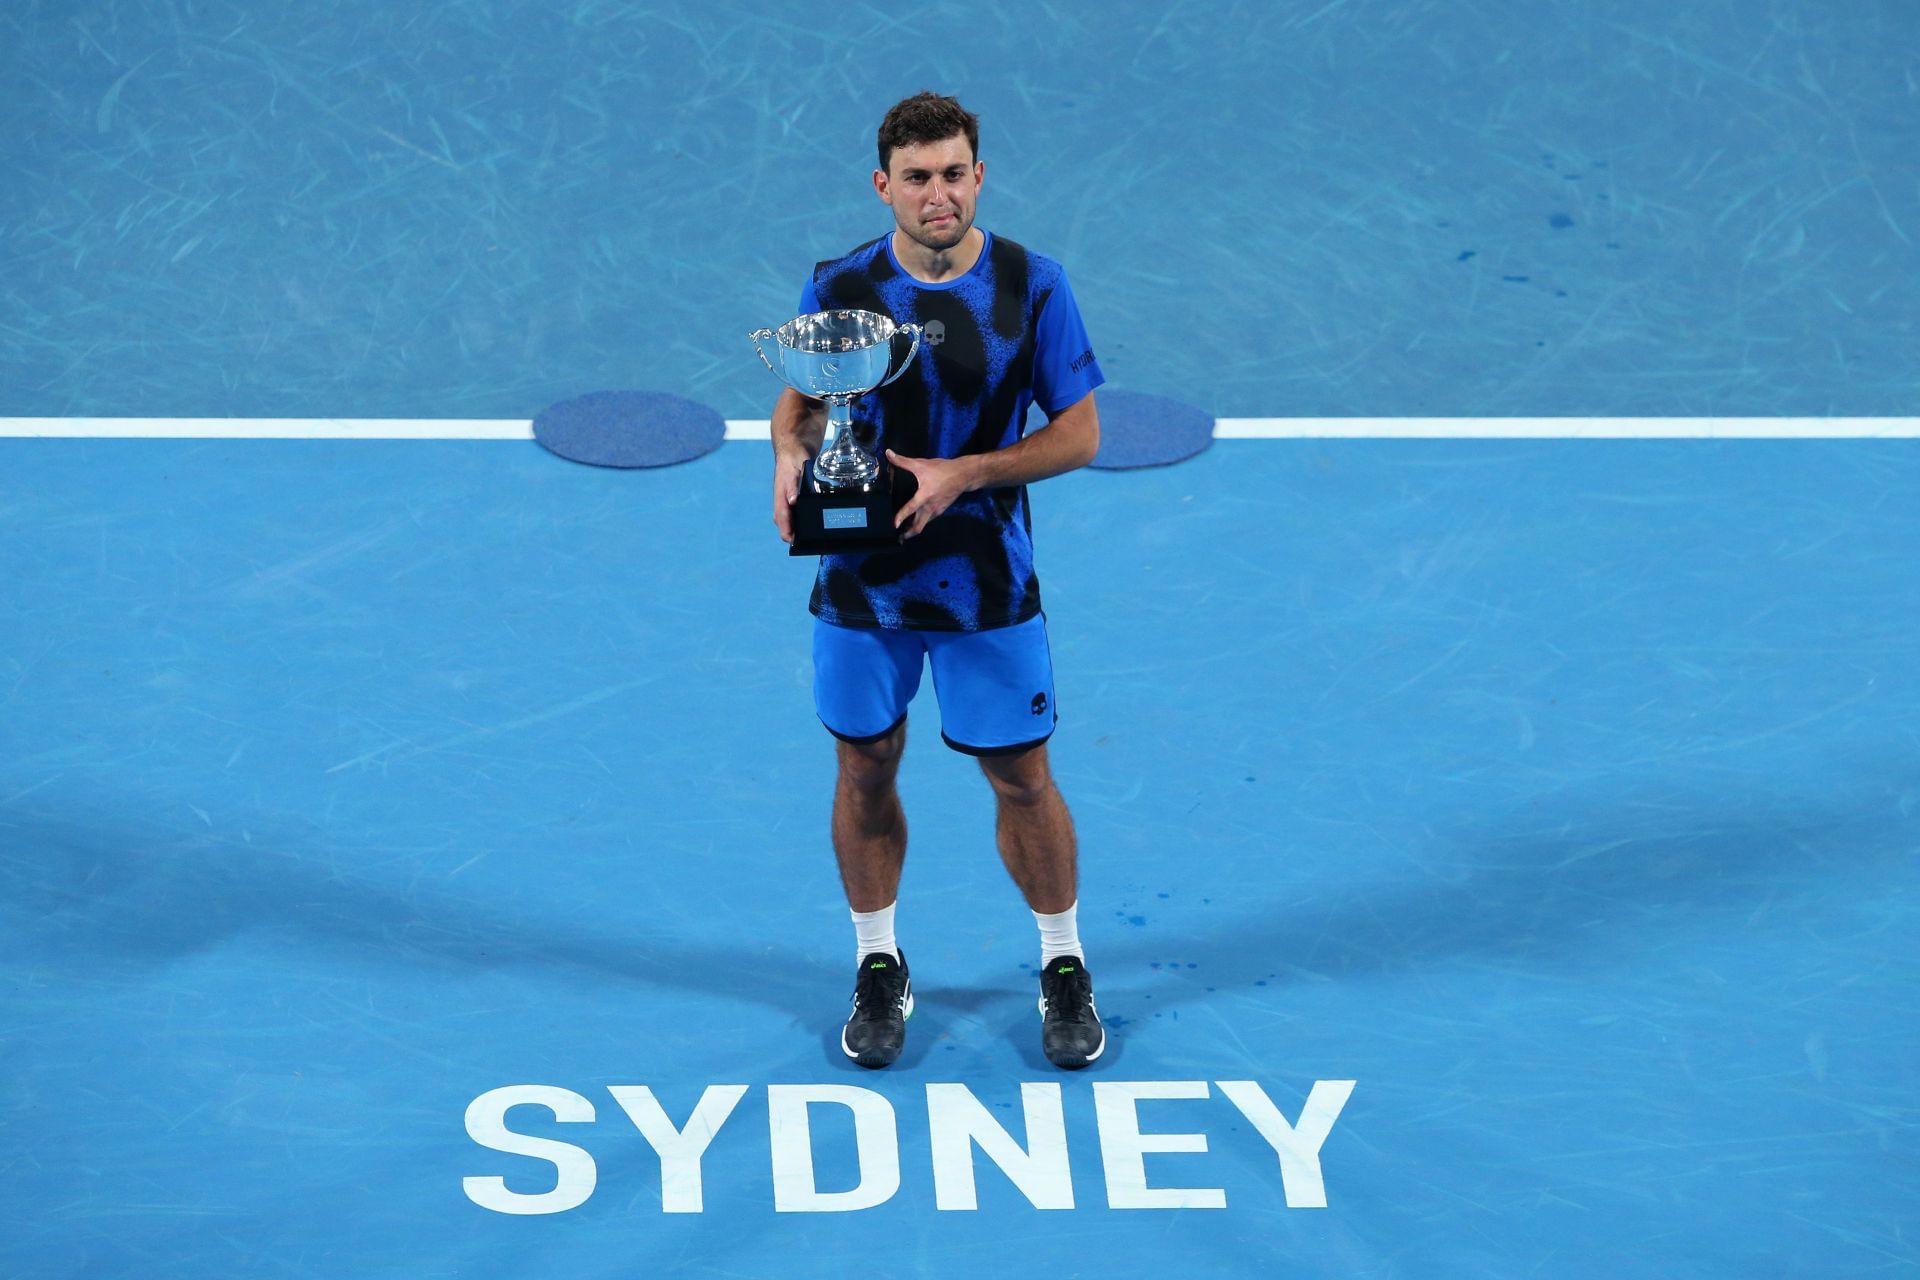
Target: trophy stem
{"type": "Point", "coordinates": [843, 464]}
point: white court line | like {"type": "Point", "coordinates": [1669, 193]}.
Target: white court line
{"type": "Point", "coordinates": [1224, 428]}
{"type": "Point", "coordinates": [270, 428]}
{"type": "Point", "coordinates": [1564, 428]}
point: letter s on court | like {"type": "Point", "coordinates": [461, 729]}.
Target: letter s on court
{"type": "Point", "coordinates": [487, 1125]}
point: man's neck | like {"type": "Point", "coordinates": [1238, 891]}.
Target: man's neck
{"type": "Point", "coordinates": [937, 266]}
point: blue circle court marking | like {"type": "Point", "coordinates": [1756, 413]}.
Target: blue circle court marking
{"type": "Point", "coordinates": [1139, 430]}
{"type": "Point", "coordinates": [629, 429]}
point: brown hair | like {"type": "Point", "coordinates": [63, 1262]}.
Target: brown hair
{"type": "Point", "coordinates": [927, 117]}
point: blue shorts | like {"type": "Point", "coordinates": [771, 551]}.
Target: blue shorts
{"type": "Point", "coordinates": [995, 687]}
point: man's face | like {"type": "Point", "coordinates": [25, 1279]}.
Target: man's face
{"type": "Point", "coordinates": [932, 188]}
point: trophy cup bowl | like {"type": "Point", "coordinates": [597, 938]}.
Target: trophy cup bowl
{"type": "Point", "coordinates": [839, 356]}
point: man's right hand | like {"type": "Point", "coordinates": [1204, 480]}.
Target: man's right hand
{"type": "Point", "coordinates": [799, 425]}
{"type": "Point", "coordinates": [788, 468]}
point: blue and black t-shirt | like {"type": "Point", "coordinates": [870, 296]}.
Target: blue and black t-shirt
{"type": "Point", "coordinates": [1001, 337]}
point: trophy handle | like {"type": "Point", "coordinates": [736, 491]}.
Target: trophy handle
{"type": "Point", "coordinates": [911, 330]}
{"type": "Point", "coordinates": [757, 335]}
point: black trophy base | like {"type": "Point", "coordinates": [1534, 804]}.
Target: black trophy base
{"type": "Point", "coordinates": [849, 519]}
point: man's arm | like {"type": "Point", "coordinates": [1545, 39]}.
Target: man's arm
{"type": "Point", "coordinates": [799, 426]}
{"type": "Point", "coordinates": [1068, 441]}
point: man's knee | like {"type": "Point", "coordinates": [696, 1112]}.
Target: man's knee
{"type": "Point", "coordinates": [871, 766]}
{"type": "Point", "coordinates": [1022, 779]}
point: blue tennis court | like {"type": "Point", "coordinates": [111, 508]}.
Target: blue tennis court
{"type": "Point", "coordinates": [1497, 855]}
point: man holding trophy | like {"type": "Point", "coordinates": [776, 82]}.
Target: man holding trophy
{"type": "Point", "coordinates": [925, 544]}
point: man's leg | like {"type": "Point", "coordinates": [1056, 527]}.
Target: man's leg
{"type": "Point", "coordinates": [869, 826]}
{"type": "Point", "coordinates": [1034, 828]}
{"type": "Point", "coordinates": [863, 680]}
{"type": "Point", "coordinates": [1037, 844]}
{"type": "Point", "coordinates": [997, 704]}
{"type": "Point", "coordinates": [870, 842]}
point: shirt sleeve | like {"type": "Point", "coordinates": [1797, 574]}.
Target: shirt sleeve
{"type": "Point", "coordinates": [1064, 369]}
{"type": "Point", "coordinates": [809, 300]}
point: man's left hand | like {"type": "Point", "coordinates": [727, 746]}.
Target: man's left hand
{"type": "Point", "coordinates": [941, 481]}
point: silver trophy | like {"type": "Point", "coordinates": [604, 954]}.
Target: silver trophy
{"type": "Point", "coordinates": [838, 356]}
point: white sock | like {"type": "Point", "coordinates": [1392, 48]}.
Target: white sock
{"type": "Point", "coordinates": [1059, 935]}
{"type": "Point", "coordinates": [874, 930]}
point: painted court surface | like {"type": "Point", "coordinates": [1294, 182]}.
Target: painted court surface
{"type": "Point", "coordinates": [1559, 794]}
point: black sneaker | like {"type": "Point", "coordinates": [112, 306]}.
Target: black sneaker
{"type": "Point", "coordinates": [1070, 1029]}
{"type": "Point", "coordinates": [882, 1003]}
